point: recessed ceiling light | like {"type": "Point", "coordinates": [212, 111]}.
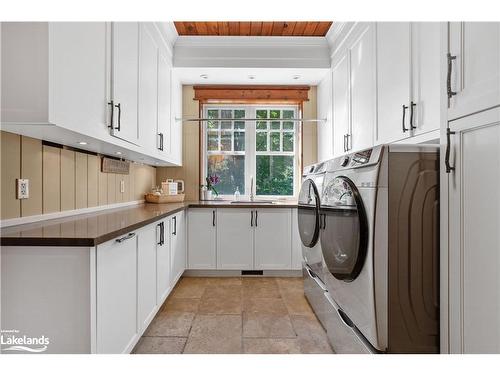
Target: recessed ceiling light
{"type": "Point", "coordinates": [296, 76]}
{"type": "Point", "coordinates": [251, 76]}
{"type": "Point", "coordinates": [83, 143]}
{"type": "Point", "coordinates": [118, 152]}
{"type": "Point", "coordinates": [204, 76]}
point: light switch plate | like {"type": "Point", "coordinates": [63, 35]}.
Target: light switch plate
{"type": "Point", "coordinates": [23, 188]}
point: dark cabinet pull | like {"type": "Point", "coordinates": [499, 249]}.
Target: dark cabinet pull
{"type": "Point", "coordinates": [159, 226]}
{"type": "Point", "coordinates": [175, 226]}
{"type": "Point", "coordinates": [449, 168]}
{"type": "Point", "coordinates": [161, 141]}
{"type": "Point", "coordinates": [251, 218]}
{"type": "Point", "coordinates": [213, 218]}
{"type": "Point", "coordinates": [119, 116]}
{"type": "Point", "coordinates": [324, 221]}
{"type": "Point", "coordinates": [112, 104]}
{"type": "Point", "coordinates": [348, 137]}
{"type": "Point", "coordinates": [449, 91]}
{"type": "Point", "coordinates": [256, 216]}
{"type": "Point", "coordinates": [412, 105]}
{"type": "Point", "coordinates": [345, 147]}
{"type": "Point", "coordinates": [125, 238]}
{"type": "Point", "coordinates": [405, 107]}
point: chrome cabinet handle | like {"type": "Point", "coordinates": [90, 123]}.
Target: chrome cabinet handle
{"type": "Point", "coordinates": [412, 105]}
{"type": "Point", "coordinates": [112, 104]}
{"type": "Point", "coordinates": [160, 226]}
{"type": "Point", "coordinates": [449, 91]}
{"type": "Point", "coordinates": [448, 167]}
{"type": "Point", "coordinates": [119, 116]}
{"type": "Point", "coordinates": [405, 107]}
{"type": "Point", "coordinates": [175, 226]}
{"type": "Point", "coordinates": [125, 238]}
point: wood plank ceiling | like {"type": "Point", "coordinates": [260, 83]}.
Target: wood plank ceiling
{"type": "Point", "coordinates": [253, 28]}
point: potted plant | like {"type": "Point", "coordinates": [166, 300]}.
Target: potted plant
{"type": "Point", "coordinates": [209, 187]}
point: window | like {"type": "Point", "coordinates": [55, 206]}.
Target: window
{"type": "Point", "coordinates": [265, 148]}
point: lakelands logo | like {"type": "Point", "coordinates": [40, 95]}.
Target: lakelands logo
{"type": "Point", "coordinates": [12, 340]}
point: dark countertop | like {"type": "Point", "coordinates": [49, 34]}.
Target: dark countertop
{"type": "Point", "coordinates": [97, 227]}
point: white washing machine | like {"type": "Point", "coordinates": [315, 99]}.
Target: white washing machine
{"type": "Point", "coordinates": [380, 242]}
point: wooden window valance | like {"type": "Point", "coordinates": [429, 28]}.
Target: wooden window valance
{"type": "Point", "coordinates": [251, 94]}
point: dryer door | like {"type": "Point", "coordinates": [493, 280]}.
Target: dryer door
{"type": "Point", "coordinates": [344, 234]}
{"type": "Point", "coordinates": [308, 213]}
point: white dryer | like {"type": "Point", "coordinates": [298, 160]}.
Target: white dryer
{"type": "Point", "coordinates": [379, 239]}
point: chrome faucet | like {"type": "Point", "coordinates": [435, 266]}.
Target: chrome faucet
{"type": "Point", "coordinates": [251, 189]}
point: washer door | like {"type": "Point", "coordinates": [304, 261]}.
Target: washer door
{"type": "Point", "coordinates": [308, 213]}
{"type": "Point", "coordinates": [344, 234]}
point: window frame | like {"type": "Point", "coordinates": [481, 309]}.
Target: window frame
{"type": "Point", "coordinates": [250, 143]}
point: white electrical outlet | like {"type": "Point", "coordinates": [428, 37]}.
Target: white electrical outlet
{"type": "Point", "coordinates": [122, 186]}
{"type": "Point", "coordinates": [23, 188]}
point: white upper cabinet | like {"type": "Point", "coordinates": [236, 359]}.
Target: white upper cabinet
{"type": "Point", "coordinates": [148, 88]}
{"type": "Point", "coordinates": [202, 239]}
{"type": "Point", "coordinates": [341, 116]}
{"type": "Point", "coordinates": [426, 78]}
{"type": "Point", "coordinates": [163, 131]}
{"type": "Point", "coordinates": [235, 238]}
{"type": "Point", "coordinates": [474, 67]}
{"type": "Point", "coordinates": [363, 90]}
{"type": "Point", "coordinates": [124, 80]}
{"type": "Point", "coordinates": [393, 81]}
{"type": "Point", "coordinates": [273, 236]}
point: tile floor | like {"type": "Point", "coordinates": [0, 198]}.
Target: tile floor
{"type": "Point", "coordinates": [265, 315]}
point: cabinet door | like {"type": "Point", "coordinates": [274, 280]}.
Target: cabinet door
{"type": "Point", "coordinates": [176, 126]}
{"type": "Point", "coordinates": [296, 242]}
{"type": "Point", "coordinates": [325, 130]}
{"type": "Point", "coordinates": [164, 94]}
{"type": "Point", "coordinates": [148, 89]}
{"type": "Point", "coordinates": [273, 248]}
{"type": "Point", "coordinates": [125, 77]}
{"type": "Point", "coordinates": [426, 78]}
{"type": "Point", "coordinates": [117, 295]}
{"type": "Point", "coordinates": [146, 275]}
{"type": "Point", "coordinates": [341, 106]}
{"type": "Point", "coordinates": [163, 284]}
{"type": "Point", "coordinates": [178, 247]}
{"type": "Point", "coordinates": [77, 71]}
{"type": "Point", "coordinates": [475, 73]}
{"type": "Point", "coordinates": [202, 238]}
{"type": "Point", "coordinates": [363, 90]}
{"type": "Point", "coordinates": [474, 242]}
{"type": "Point", "coordinates": [235, 239]}
{"type": "Point", "coordinates": [393, 81]}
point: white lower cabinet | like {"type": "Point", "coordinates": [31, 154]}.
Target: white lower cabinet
{"type": "Point", "coordinates": [177, 246]}
{"type": "Point", "coordinates": [273, 239]}
{"type": "Point", "coordinates": [146, 275]}
{"type": "Point", "coordinates": [163, 253]}
{"type": "Point", "coordinates": [235, 239]}
{"type": "Point", "coordinates": [202, 239]}
{"type": "Point", "coordinates": [117, 295]}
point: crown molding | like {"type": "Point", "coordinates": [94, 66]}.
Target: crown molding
{"type": "Point", "coordinates": [169, 35]}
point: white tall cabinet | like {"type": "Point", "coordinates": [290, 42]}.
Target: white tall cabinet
{"type": "Point", "coordinates": [325, 129]}
{"type": "Point", "coordinates": [341, 107]}
{"type": "Point", "coordinates": [473, 67]}
{"type": "Point", "coordinates": [474, 239]}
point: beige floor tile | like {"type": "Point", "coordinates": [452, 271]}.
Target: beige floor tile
{"type": "Point", "coordinates": [267, 325]}
{"type": "Point", "coordinates": [312, 337]}
{"type": "Point", "coordinates": [181, 305]}
{"type": "Point", "coordinates": [193, 281]}
{"type": "Point", "coordinates": [221, 281]}
{"type": "Point", "coordinates": [160, 345]}
{"type": "Point", "coordinates": [216, 326]}
{"type": "Point", "coordinates": [264, 305]}
{"type": "Point", "coordinates": [187, 290]}
{"type": "Point", "coordinates": [213, 345]}
{"type": "Point", "coordinates": [297, 305]}
{"type": "Point", "coordinates": [170, 324]}
{"type": "Point", "coordinates": [226, 305]}
{"type": "Point", "coordinates": [271, 346]}
{"type": "Point", "coordinates": [290, 283]}
{"type": "Point", "coordinates": [264, 290]}
{"type": "Point", "coordinates": [222, 291]}
{"type": "Point", "coordinates": [253, 281]}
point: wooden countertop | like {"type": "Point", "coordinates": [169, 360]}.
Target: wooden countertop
{"type": "Point", "coordinates": [97, 227]}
